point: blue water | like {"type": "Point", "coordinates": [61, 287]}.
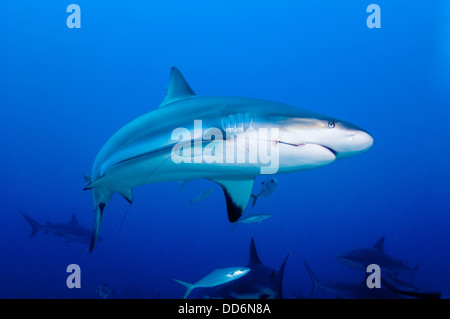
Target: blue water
{"type": "Point", "coordinates": [64, 92]}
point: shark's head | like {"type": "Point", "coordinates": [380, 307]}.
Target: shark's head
{"type": "Point", "coordinates": [345, 139]}
{"type": "Point", "coordinates": [341, 138]}
{"type": "Point", "coordinates": [358, 258]}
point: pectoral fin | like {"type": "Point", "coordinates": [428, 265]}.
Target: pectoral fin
{"type": "Point", "coordinates": [237, 194]}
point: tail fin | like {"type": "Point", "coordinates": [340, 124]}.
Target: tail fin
{"type": "Point", "coordinates": [181, 186]}
{"type": "Point", "coordinates": [255, 197]}
{"type": "Point", "coordinates": [279, 282]}
{"type": "Point", "coordinates": [187, 285]}
{"type": "Point", "coordinates": [97, 222]}
{"type": "Point", "coordinates": [34, 225]}
{"type": "Point", "coordinates": [313, 277]}
{"type": "Point", "coordinates": [419, 294]}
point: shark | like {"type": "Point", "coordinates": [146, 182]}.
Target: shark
{"type": "Point", "coordinates": [192, 137]}
{"type": "Point", "coordinates": [345, 290]}
{"type": "Point", "coordinates": [362, 257]}
{"type": "Point", "coordinates": [391, 288]}
{"type": "Point", "coordinates": [71, 231]}
{"type": "Point", "coordinates": [261, 282]}
{"type": "Point", "coordinates": [398, 285]}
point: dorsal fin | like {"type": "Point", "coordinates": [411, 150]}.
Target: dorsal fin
{"type": "Point", "coordinates": [177, 89]}
{"type": "Point", "coordinates": [273, 275]}
{"type": "Point", "coordinates": [254, 259]}
{"type": "Point", "coordinates": [379, 245]}
{"type": "Point", "coordinates": [74, 220]}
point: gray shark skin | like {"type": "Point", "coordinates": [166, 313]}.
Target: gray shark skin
{"type": "Point", "coordinates": [352, 290]}
{"type": "Point", "coordinates": [361, 258]}
{"type": "Point", "coordinates": [261, 282]}
{"type": "Point", "coordinates": [71, 231]}
{"type": "Point", "coordinates": [408, 289]}
{"type": "Point", "coordinates": [141, 151]}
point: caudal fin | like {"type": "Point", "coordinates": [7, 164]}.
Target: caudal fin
{"type": "Point", "coordinates": [34, 224]}
{"type": "Point", "coordinates": [187, 285]}
{"type": "Point", "coordinates": [254, 199]}
{"type": "Point", "coordinates": [279, 278]}
{"type": "Point", "coordinates": [97, 222]}
{"type": "Point", "coordinates": [313, 277]}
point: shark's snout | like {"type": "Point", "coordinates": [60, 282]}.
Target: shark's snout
{"type": "Point", "coordinates": [362, 141]}
{"type": "Point", "coordinates": [352, 144]}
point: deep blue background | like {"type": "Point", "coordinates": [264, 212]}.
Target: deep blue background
{"type": "Point", "coordinates": [64, 92]}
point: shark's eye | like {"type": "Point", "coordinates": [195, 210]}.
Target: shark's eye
{"type": "Point", "coordinates": [331, 124]}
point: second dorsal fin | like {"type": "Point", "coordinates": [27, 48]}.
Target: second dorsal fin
{"type": "Point", "coordinates": [74, 220]}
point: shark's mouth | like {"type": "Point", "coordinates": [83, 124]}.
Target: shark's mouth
{"type": "Point", "coordinates": [330, 149]}
{"type": "Point", "coordinates": [335, 153]}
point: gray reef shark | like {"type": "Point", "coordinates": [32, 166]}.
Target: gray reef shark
{"type": "Point", "coordinates": [261, 282]}
{"type": "Point", "coordinates": [352, 290]}
{"type": "Point", "coordinates": [395, 284]}
{"type": "Point", "coordinates": [190, 137]}
{"type": "Point", "coordinates": [362, 257]}
{"type": "Point", "coordinates": [71, 231]}
{"type": "Point", "coordinates": [391, 288]}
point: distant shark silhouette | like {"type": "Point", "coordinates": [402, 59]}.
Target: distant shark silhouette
{"type": "Point", "coordinates": [71, 231]}
{"type": "Point", "coordinates": [392, 270]}
{"type": "Point", "coordinates": [391, 288]}
{"type": "Point", "coordinates": [362, 257]}
{"type": "Point", "coordinates": [344, 290]}
{"type": "Point", "coordinates": [262, 282]}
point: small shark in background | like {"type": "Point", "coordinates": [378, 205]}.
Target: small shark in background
{"type": "Point", "coordinates": [267, 188]}
{"type": "Point", "coordinates": [351, 290]}
{"type": "Point", "coordinates": [392, 269]}
{"type": "Point", "coordinates": [140, 152]}
{"type": "Point", "coordinates": [71, 231]}
{"type": "Point", "coordinates": [361, 258]}
{"type": "Point", "coordinates": [105, 292]}
{"type": "Point", "coordinates": [203, 195]}
{"type": "Point", "coordinates": [262, 282]}
{"type": "Point", "coordinates": [215, 278]}
{"type": "Point", "coordinates": [395, 284]}
{"type": "Point", "coordinates": [254, 218]}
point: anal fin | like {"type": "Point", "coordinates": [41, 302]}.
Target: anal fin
{"type": "Point", "coordinates": [126, 192]}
